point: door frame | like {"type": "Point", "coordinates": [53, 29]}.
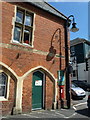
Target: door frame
{"type": "Point", "coordinates": [43, 88]}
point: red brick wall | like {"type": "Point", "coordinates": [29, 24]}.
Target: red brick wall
{"type": "Point", "coordinates": [7, 14]}
{"type": "Point", "coordinates": [27, 94]}
{"type": "Point", "coordinates": [45, 27]}
{"type": "Point", "coordinates": [49, 94]}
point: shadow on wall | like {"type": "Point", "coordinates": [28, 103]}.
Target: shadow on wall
{"type": "Point", "coordinates": [52, 50]}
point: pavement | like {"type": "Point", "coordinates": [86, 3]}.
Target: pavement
{"type": "Point", "coordinates": [61, 114]}
{"type": "Point", "coordinates": [78, 111]}
{"type": "Point", "coordinates": [43, 114]}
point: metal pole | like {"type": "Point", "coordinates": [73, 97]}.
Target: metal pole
{"type": "Point", "coordinates": [68, 82]}
{"type": "Point", "coordinates": [68, 91]}
{"type": "Point", "coordinates": [68, 98]}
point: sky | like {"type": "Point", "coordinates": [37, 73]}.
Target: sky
{"type": "Point", "coordinates": [80, 12]}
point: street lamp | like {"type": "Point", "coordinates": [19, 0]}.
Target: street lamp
{"type": "Point", "coordinates": [73, 29]}
{"type": "Point", "coordinates": [68, 23]}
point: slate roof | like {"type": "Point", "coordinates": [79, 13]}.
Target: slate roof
{"type": "Point", "coordinates": [78, 41]}
{"type": "Point", "coordinates": [47, 7]}
{"type": "Point", "coordinates": [42, 5]}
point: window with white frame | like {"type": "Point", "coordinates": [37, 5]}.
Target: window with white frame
{"type": "Point", "coordinates": [23, 27]}
{"type": "Point", "coordinates": [3, 84]}
{"type": "Point", "coordinates": [72, 50]}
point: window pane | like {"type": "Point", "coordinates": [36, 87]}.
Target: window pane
{"type": "Point", "coordinates": [17, 33]}
{"type": "Point", "coordinates": [26, 36]}
{"type": "Point", "coordinates": [72, 50]}
{"type": "Point", "coordinates": [28, 20]}
{"type": "Point", "coordinates": [3, 82]}
{"type": "Point", "coordinates": [19, 17]}
{"type": "Point", "coordinates": [2, 79]}
{"type": "Point", "coordinates": [74, 73]}
{"type": "Point", "coordinates": [2, 90]}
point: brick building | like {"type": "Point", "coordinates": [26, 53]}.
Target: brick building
{"type": "Point", "coordinates": [28, 70]}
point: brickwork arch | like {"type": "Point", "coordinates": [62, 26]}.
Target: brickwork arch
{"type": "Point", "coordinates": [49, 75]}
{"type": "Point", "coordinates": [9, 71]}
{"type": "Point", "coordinates": [44, 70]}
{"type": "Point", "coordinates": [7, 107]}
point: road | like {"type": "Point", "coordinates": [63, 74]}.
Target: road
{"type": "Point", "coordinates": [80, 107]}
{"type": "Point", "coordinates": [78, 111]}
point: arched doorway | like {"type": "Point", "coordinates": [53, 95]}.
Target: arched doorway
{"type": "Point", "coordinates": [38, 90]}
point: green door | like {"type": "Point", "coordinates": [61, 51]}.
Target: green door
{"type": "Point", "coordinates": [37, 90]}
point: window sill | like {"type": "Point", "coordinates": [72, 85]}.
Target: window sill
{"type": "Point", "coordinates": [3, 99]}
{"type": "Point", "coordinates": [21, 44]}
{"type": "Point", "coordinates": [26, 44]}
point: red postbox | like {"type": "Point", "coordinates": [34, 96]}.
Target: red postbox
{"type": "Point", "coordinates": [61, 87]}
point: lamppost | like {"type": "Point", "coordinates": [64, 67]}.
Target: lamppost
{"type": "Point", "coordinates": [73, 29]}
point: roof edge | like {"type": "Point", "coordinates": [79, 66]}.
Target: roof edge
{"type": "Point", "coordinates": [78, 41]}
{"type": "Point", "coordinates": [63, 16]}
{"type": "Point", "coordinates": [56, 9]}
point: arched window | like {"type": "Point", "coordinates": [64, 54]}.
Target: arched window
{"type": "Point", "coordinates": [3, 84]}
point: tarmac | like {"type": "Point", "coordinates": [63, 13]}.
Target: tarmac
{"type": "Point", "coordinates": [58, 114]}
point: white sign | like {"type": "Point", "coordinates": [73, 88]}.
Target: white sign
{"type": "Point", "coordinates": [38, 83]}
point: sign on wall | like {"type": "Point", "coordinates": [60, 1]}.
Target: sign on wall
{"type": "Point", "coordinates": [38, 83]}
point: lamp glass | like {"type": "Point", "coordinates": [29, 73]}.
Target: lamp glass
{"type": "Point", "coordinates": [74, 28]}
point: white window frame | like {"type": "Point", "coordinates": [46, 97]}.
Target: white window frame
{"type": "Point", "coordinates": [2, 98]}
{"type": "Point", "coordinates": [33, 27]}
